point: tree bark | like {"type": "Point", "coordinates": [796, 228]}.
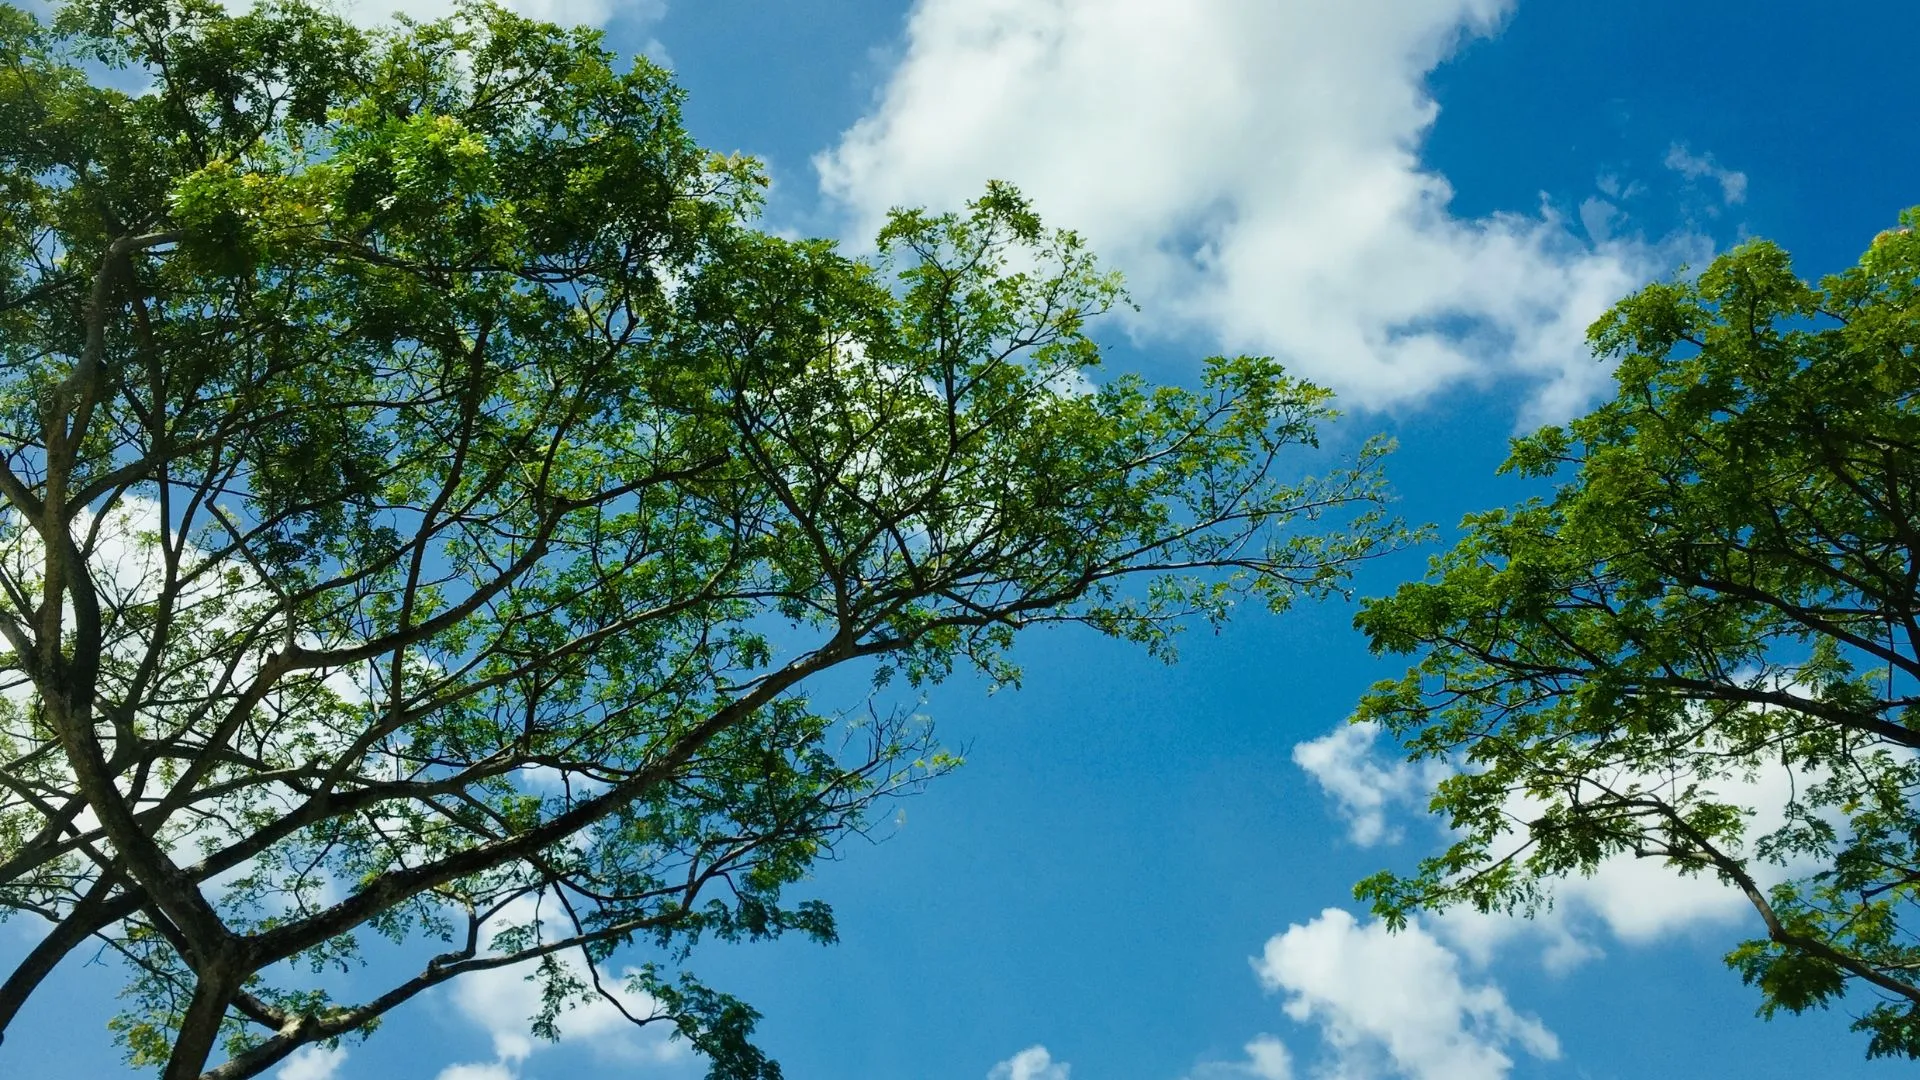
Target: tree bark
{"type": "Point", "coordinates": [200, 1027]}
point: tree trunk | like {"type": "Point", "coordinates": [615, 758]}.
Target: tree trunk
{"type": "Point", "coordinates": [200, 1028]}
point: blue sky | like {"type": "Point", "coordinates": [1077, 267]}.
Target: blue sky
{"type": "Point", "coordinates": [1143, 871]}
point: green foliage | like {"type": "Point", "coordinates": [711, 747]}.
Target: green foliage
{"type": "Point", "coordinates": [1721, 591]}
{"type": "Point", "coordinates": [713, 1023]}
{"type": "Point", "coordinates": [430, 501]}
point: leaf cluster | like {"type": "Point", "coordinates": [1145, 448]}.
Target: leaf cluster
{"type": "Point", "coordinates": [430, 502]}
{"type": "Point", "coordinates": [1716, 613]}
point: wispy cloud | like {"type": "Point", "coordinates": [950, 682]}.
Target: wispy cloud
{"type": "Point", "coordinates": [1267, 1059]}
{"type": "Point", "coordinates": [1733, 185]}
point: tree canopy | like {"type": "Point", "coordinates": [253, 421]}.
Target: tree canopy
{"type": "Point", "coordinates": [429, 499]}
{"type": "Point", "coordinates": [1721, 597]}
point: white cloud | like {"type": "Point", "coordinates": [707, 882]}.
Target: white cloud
{"type": "Point", "coordinates": [1733, 185]}
{"type": "Point", "coordinates": [1255, 170]}
{"type": "Point", "coordinates": [1639, 900]}
{"type": "Point", "coordinates": [488, 1071]}
{"type": "Point", "coordinates": [1267, 1059]}
{"type": "Point", "coordinates": [1597, 216]}
{"type": "Point", "coordinates": [1033, 1063]}
{"type": "Point", "coordinates": [312, 1063]}
{"type": "Point", "coordinates": [1395, 1004]}
{"type": "Point", "coordinates": [1636, 900]}
{"type": "Point", "coordinates": [1563, 935]}
{"type": "Point", "coordinates": [1363, 785]}
{"type": "Point", "coordinates": [503, 1000]}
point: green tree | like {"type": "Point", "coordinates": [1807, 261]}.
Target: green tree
{"type": "Point", "coordinates": [429, 500]}
{"type": "Point", "coordinates": [1721, 589]}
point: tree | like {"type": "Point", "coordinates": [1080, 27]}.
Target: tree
{"type": "Point", "coordinates": [1720, 590]}
{"type": "Point", "coordinates": [430, 500]}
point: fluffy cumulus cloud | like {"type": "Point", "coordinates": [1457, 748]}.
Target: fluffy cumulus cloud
{"type": "Point", "coordinates": [1363, 786]}
{"type": "Point", "coordinates": [1634, 900]}
{"type": "Point", "coordinates": [1033, 1063]}
{"type": "Point", "coordinates": [1396, 1004]}
{"type": "Point", "coordinates": [503, 1000]}
{"type": "Point", "coordinates": [312, 1063]}
{"type": "Point", "coordinates": [1255, 170]}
